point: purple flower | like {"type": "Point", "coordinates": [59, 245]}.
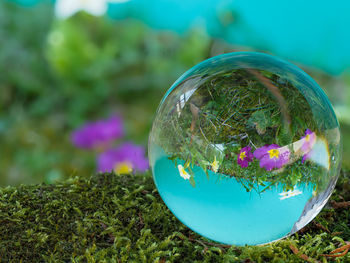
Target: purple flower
{"type": "Point", "coordinates": [306, 156]}
{"type": "Point", "coordinates": [245, 156]}
{"type": "Point", "coordinates": [127, 156]}
{"type": "Point", "coordinates": [98, 133]}
{"type": "Point", "coordinates": [272, 156]}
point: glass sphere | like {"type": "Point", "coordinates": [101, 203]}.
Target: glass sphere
{"type": "Point", "coordinates": [245, 148]}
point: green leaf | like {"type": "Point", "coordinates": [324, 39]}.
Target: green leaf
{"type": "Point", "coordinates": [261, 120]}
{"type": "Point", "coordinates": [284, 137]}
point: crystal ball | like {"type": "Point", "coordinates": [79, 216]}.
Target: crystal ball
{"type": "Point", "coordinates": [245, 148]}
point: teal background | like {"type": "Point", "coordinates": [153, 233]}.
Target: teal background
{"type": "Point", "coordinates": [315, 33]}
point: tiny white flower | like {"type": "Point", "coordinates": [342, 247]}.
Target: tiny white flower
{"type": "Point", "coordinates": [183, 172]}
{"type": "Point", "coordinates": [290, 193]}
{"type": "Point", "coordinates": [215, 165]}
{"type": "Point", "coordinates": [67, 8]}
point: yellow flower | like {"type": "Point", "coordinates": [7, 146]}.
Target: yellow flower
{"type": "Point", "coordinates": [307, 137]}
{"type": "Point", "coordinates": [183, 172]}
{"type": "Point", "coordinates": [123, 168]}
{"type": "Point", "coordinates": [242, 155]}
{"type": "Point", "coordinates": [215, 165]}
{"type": "Point", "coordinates": [274, 153]}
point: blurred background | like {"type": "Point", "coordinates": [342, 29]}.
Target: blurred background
{"type": "Point", "coordinates": [70, 66]}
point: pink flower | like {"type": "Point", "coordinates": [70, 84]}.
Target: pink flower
{"type": "Point", "coordinates": [245, 156]}
{"type": "Point", "coordinates": [272, 156]}
{"type": "Point", "coordinates": [308, 142]}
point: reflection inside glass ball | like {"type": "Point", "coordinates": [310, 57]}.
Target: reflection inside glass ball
{"type": "Point", "coordinates": [245, 148]}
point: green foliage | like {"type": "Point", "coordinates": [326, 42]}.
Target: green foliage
{"type": "Point", "coordinates": [261, 120]}
{"type": "Point", "coordinates": [110, 218]}
{"type": "Point", "coordinates": [101, 61]}
{"type": "Point", "coordinates": [57, 75]}
{"type": "Point", "coordinates": [24, 70]}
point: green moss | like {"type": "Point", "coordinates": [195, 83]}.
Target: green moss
{"type": "Point", "coordinates": [111, 218]}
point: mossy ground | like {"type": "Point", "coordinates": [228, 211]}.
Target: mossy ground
{"type": "Point", "coordinates": [110, 218]}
